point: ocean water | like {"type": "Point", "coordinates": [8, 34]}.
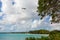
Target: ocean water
{"type": "Point", "coordinates": [19, 36]}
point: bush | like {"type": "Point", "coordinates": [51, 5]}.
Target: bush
{"type": "Point", "coordinates": [54, 35]}
{"type": "Point", "coordinates": [31, 38]}
{"type": "Point", "coordinates": [42, 38]}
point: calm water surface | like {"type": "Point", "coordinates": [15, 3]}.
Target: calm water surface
{"type": "Point", "coordinates": [19, 36]}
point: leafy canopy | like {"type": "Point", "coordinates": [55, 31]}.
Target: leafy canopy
{"type": "Point", "coordinates": [51, 8]}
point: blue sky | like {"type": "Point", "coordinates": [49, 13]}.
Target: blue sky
{"type": "Point", "coordinates": [0, 6]}
{"type": "Point", "coordinates": [13, 18]}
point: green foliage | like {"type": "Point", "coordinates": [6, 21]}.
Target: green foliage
{"type": "Point", "coordinates": [39, 32]}
{"type": "Point", "coordinates": [53, 35]}
{"type": "Point", "coordinates": [49, 7]}
{"type": "Point", "coordinates": [44, 38]}
{"type": "Point", "coordinates": [31, 38]}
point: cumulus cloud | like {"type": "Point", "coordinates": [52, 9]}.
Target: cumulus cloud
{"type": "Point", "coordinates": [1, 28]}
{"type": "Point", "coordinates": [55, 26]}
{"type": "Point", "coordinates": [17, 19]}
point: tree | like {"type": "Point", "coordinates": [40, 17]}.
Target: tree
{"type": "Point", "coordinates": [54, 35]}
{"type": "Point", "coordinates": [51, 8]}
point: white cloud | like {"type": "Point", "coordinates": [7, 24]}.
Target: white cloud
{"type": "Point", "coordinates": [10, 18]}
{"type": "Point", "coordinates": [55, 26]}
{"type": "Point", "coordinates": [14, 14]}
{"type": "Point", "coordinates": [0, 14]}
{"type": "Point", "coordinates": [35, 23]}
{"type": "Point", "coordinates": [12, 28]}
{"type": "Point", "coordinates": [23, 22]}
{"type": "Point", "coordinates": [2, 28]}
{"type": "Point", "coordinates": [16, 11]}
{"type": "Point", "coordinates": [17, 19]}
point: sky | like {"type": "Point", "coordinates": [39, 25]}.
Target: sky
{"type": "Point", "coordinates": [13, 18]}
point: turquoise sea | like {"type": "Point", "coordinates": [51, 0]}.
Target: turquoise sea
{"type": "Point", "coordinates": [19, 36]}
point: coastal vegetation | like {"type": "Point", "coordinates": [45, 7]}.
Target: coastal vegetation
{"type": "Point", "coordinates": [53, 35]}
{"type": "Point", "coordinates": [45, 8]}
{"type": "Point", "coordinates": [49, 8]}
{"type": "Point", "coordinates": [39, 31]}
{"type": "Point", "coordinates": [29, 32]}
{"type": "Point", "coordinates": [32, 38]}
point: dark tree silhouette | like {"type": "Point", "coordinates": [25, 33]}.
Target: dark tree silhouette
{"type": "Point", "coordinates": [51, 8]}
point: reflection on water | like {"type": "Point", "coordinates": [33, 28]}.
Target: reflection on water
{"type": "Point", "coordinates": [19, 36]}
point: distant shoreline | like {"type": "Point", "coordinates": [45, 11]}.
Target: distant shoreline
{"type": "Point", "coordinates": [13, 32]}
{"type": "Point", "coordinates": [32, 32]}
